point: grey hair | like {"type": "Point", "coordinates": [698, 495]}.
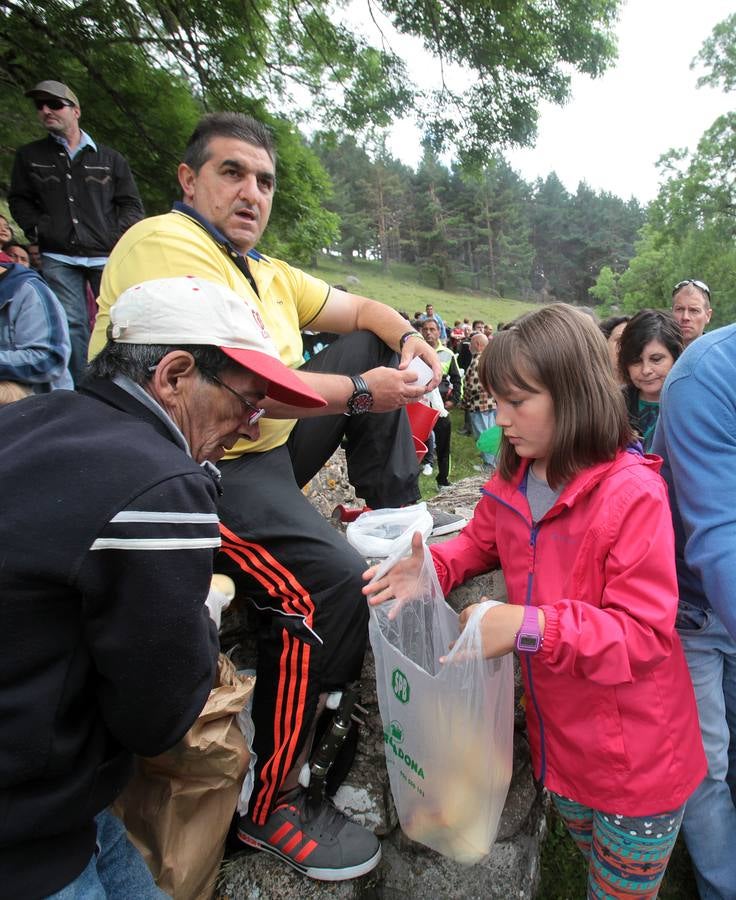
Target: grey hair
{"type": "Point", "coordinates": [137, 361]}
{"type": "Point", "coordinates": [228, 125]}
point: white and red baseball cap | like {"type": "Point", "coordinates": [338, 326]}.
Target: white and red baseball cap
{"type": "Point", "coordinates": [191, 310]}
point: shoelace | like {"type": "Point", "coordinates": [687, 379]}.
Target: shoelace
{"type": "Point", "coordinates": [327, 818]}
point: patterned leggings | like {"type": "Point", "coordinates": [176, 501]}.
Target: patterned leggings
{"type": "Point", "coordinates": [626, 856]}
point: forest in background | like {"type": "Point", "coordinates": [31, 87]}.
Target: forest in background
{"type": "Point", "coordinates": [145, 70]}
{"type": "Point", "coordinates": [481, 227]}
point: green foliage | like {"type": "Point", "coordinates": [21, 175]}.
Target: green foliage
{"type": "Point", "coordinates": [606, 289]}
{"type": "Point", "coordinates": [300, 222]}
{"type": "Point", "coordinates": [276, 53]}
{"type": "Point", "coordinates": [563, 869]}
{"type": "Point", "coordinates": [142, 98]}
{"type": "Point", "coordinates": [700, 191]}
{"type": "Point", "coordinates": [649, 278]}
{"type": "Point", "coordinates": [719, 55]}
{"type": "Point", "coordinates": [575, 236]}
{"type": "Point", "coordinates": [691, 226]}
{"type": "Point", "coordinates": [145, 70]}
{"type": "Point", "coordinates": [517, 51]}
{"type": "Point", "coordinates": [494, 203]}
{"type": "Point", "coordinates": [349, 168]}
{"type": "Point", "coordinates": [435, 240]}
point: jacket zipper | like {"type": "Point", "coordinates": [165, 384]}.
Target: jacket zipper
{"type": "Point", "coordinates": [534, 531]}
{"type": "Point", "coordinates": [528, 659]}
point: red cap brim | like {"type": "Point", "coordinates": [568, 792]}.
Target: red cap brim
{"type": "Point", "coordinates": [284, 384]}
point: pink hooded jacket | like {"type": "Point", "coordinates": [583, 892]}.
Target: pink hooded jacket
{"type": "Point", "coordinates": [610, 707]}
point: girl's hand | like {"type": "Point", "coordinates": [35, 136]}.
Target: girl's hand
{"type": "Point", "coordinates": [398, 583]}
{"type": "Point", "coordinates": [499, 627]}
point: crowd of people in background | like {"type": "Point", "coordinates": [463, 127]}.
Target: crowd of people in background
{"type": "Point", "coordinates": [668, 388]}
{"type": "Point", "coordinates": [642, 350]}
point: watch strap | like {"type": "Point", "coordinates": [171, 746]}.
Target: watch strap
{"type": "Point", "coordinates": [359, 384]}
{"type": "Point", "coordinates": [528, 637]}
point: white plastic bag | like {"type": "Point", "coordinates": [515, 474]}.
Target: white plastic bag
{"type": "Point", "coordinates": [448, 728]}
{"type": "Point", "coordinates": [384, 532]}
{"type": "Point", "coordinates": [245, 721]}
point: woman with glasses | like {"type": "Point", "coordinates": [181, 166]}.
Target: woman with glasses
{"type": "Point", "coordinates": [649, 346]}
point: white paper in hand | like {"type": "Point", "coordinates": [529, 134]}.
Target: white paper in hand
{"type": "Point", "coordinates": [423, 371]}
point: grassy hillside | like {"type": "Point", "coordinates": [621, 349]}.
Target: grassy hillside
{"type": "Point", "coordinates": [401, 288]}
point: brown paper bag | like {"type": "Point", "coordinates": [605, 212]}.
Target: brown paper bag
{"type": "Point", "coordinates": [178, 806]}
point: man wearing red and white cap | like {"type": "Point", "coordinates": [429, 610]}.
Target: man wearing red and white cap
{"type": "Point", "coordinates": [108, 533]}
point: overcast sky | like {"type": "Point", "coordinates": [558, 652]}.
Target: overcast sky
{"type": "Point", "coordinates": [614, 128]}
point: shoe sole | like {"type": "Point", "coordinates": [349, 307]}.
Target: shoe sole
{"type": "Point", "coordinates": [317, 874]}
{"type": "Point", "coordinates": [449, 528]}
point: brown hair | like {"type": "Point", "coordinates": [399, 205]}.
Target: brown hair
{"type": "Point", "coordinates": [562, 350]}
{"type": "Point", "coordinates": [646, 326]}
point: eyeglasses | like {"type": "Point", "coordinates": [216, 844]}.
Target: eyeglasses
{"type": "Point", "coordinates": [254, 412]}
{"type": "Point", "coordinates": [698, 284]}
{"type": "Point", "coordinates": [54, 103]}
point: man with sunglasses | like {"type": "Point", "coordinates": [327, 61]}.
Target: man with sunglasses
{"type": "Point", "coordinates": [691, 308]}
{"type": "Point", "coordinates": [75, 198]}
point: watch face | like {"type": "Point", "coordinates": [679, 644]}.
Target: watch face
{"type": "Point", "coordinates": [528, 642]}
{"type": "Point", "coordinates": [360, 402]}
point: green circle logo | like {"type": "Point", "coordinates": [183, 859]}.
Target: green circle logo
{"type": "Point", "coordinates": [400, 686]}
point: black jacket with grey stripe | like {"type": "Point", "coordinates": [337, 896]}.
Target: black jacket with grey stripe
{"type": "Point", "coordinates": [107, 537]}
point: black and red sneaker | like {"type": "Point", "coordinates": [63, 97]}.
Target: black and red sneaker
{"type": "Point", "coordinates": [322, 843]}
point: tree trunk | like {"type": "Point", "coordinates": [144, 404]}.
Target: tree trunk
{"type": "Point", "coordinates": [491, 250]}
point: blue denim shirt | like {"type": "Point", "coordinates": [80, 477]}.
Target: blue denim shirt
{"type": "Point", "coordinates": [696, 436]}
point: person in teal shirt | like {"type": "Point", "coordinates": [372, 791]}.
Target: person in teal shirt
{"type": "Point", "coordinates": [650, 344]}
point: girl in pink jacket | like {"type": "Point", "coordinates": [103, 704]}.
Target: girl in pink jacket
{"type": "Point", "coordinates": [580, 524]}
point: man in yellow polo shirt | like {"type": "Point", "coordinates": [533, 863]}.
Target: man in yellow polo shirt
{"type": "Point", "coordinates": [301, 575]}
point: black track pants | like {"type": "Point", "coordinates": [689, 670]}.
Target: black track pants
{"type": "Point", "coordinates": [305, 580]}
{"type": "Point", "coordinates": [382, 462]}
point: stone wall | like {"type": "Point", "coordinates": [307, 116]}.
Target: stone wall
{"type": "Point", "coordinates": [408, 871]}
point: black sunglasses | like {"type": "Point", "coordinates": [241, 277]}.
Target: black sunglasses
{"type": "Point", "coordinates": [698, 284]}
{"type": "Point", "coordinates": [54, 103]}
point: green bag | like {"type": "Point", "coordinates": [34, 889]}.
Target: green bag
{"type": "Point", "coordinates": [490, 440]}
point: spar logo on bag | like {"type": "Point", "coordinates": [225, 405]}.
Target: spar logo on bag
{"type": "Point", "coordinates": [400, 686]}
{"type": "Point", "coordinates": [393, 737]}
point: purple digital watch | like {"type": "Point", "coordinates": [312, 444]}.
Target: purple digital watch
{"type": "Point", "coordinates": [528, 637]}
